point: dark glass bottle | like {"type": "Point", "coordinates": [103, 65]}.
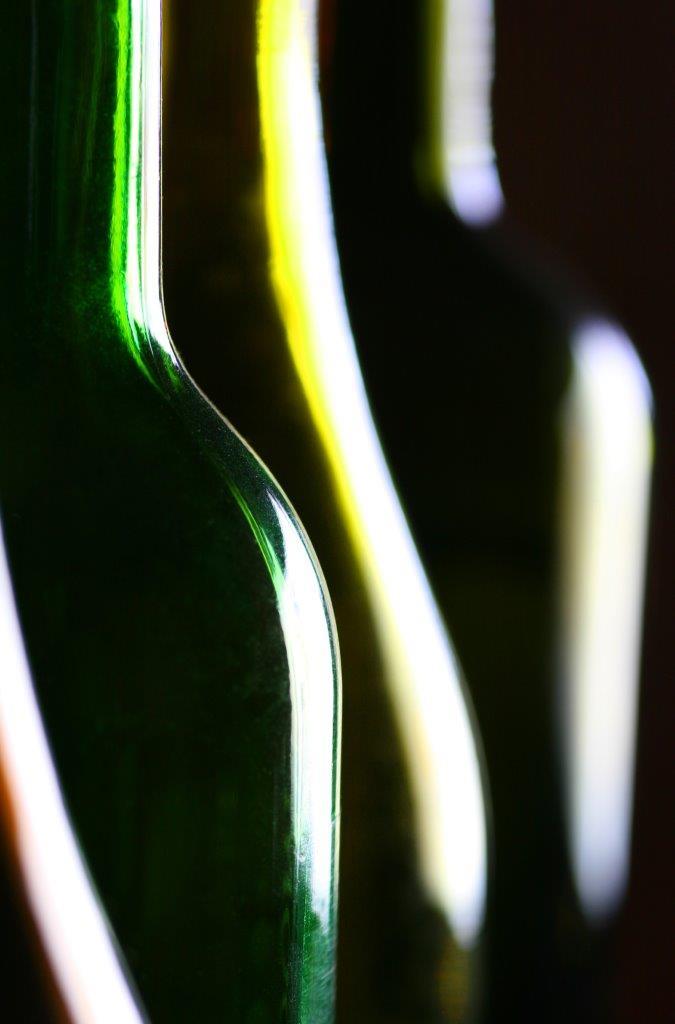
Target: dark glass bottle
{"type": "Point", "coordinates": [254, 301]}
{"type": "Point", "coordinates": [517, 422]}
{"type": "Point", "coordinates": [168, 680]}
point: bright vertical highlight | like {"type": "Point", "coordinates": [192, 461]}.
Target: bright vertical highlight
{"type": "Point", "coordinates": [425, 687]}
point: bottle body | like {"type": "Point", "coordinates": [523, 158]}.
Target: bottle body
{"type": "Point", "coordinates": [176, 628]}
{"type": "Point", "coordinates": [529, 512]}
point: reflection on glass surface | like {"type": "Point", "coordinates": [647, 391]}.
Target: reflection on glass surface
{"type": "Point", "coordinates": [426, 691]}
{"type": "Point", "coordinates": [72, 927]}
{"type": "Point", "coordinates": [608, 439]}
{"type": "Point", "coordinates": [136, 293]}
{"type": "Point", "coordinates": [304, 617]}
{"type": "Point", "coordinates": [465, 112]}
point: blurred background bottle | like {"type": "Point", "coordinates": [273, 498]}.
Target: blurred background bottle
{"type": "Point", "coordinates": [517, 420]}
{"type": "Point", "coordinates": [168, 675]}
{"type": "Point", "coordinates": [254, 301]}
{"type": "Point", "coordinates": [592, 83]}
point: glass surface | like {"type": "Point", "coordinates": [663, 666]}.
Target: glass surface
{"type": "Point", "coordinates": [168, 671]}
{"type": "Point", "coordinates": [518, 425]}
{"type": "Point", "coordinates": [254, 301]}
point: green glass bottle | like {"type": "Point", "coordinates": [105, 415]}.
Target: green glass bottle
{"type": "Point", "coordinates": [518, 425]}
{"type": "Point", "coordinates": [255, 305]}
{"type": "Point", "coordinates": [169, 678]}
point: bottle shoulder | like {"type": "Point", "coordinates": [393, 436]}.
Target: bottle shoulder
{"type": "Point", "coordinates": [477, 367]}
{"type": "Point", "coordinates": [144, 452]}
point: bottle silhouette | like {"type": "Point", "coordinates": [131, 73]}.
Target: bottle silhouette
{"type": "Point", "coordinates": [168, 671]}
{"type": "Point", "coordinates": [517, 422]}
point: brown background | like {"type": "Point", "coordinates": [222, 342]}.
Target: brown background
{"type": "Point", "coordinates": [584, 134]}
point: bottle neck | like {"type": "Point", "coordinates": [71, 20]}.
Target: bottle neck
{"type": "Point", "coordinates": [407, 85]}
{"type": "Point", "coordinates": [460, 128]}
{"type": "Point", "coordinates": [93, 206]}
{"type": "Point", "coordinates": [216, 65]}
{"type": "Point", "coordinates": [212, 112]}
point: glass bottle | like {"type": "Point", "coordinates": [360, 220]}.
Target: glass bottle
{"type": "Point", "coordinates": [168, 670]}
{"type": "Point", "coordinates": [523, 457]}
{"type": "Point", "coordinates": [254, 301]}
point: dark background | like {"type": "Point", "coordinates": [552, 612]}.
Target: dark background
{"type": "Point", "coordinates": [584, 137]}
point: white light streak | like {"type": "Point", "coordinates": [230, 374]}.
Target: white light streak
{"type": "Point", "coordinates": [313, 691]}
{"type": "Point", "coordinates": [608, 454]}
{"type": "Point", "coordinates": [151, 204]}
{"type": "Point", "coordinates": [72, 927]}
{"type": "Point", "coordinates": [470, 170]}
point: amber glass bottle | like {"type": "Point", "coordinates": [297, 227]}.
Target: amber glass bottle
{"type": "Point", "coordinates": [517, 422]}
{"type": "Point", "coordinates": [168, 676]}
{"type": "Point", "coordinates": [254, 302]}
